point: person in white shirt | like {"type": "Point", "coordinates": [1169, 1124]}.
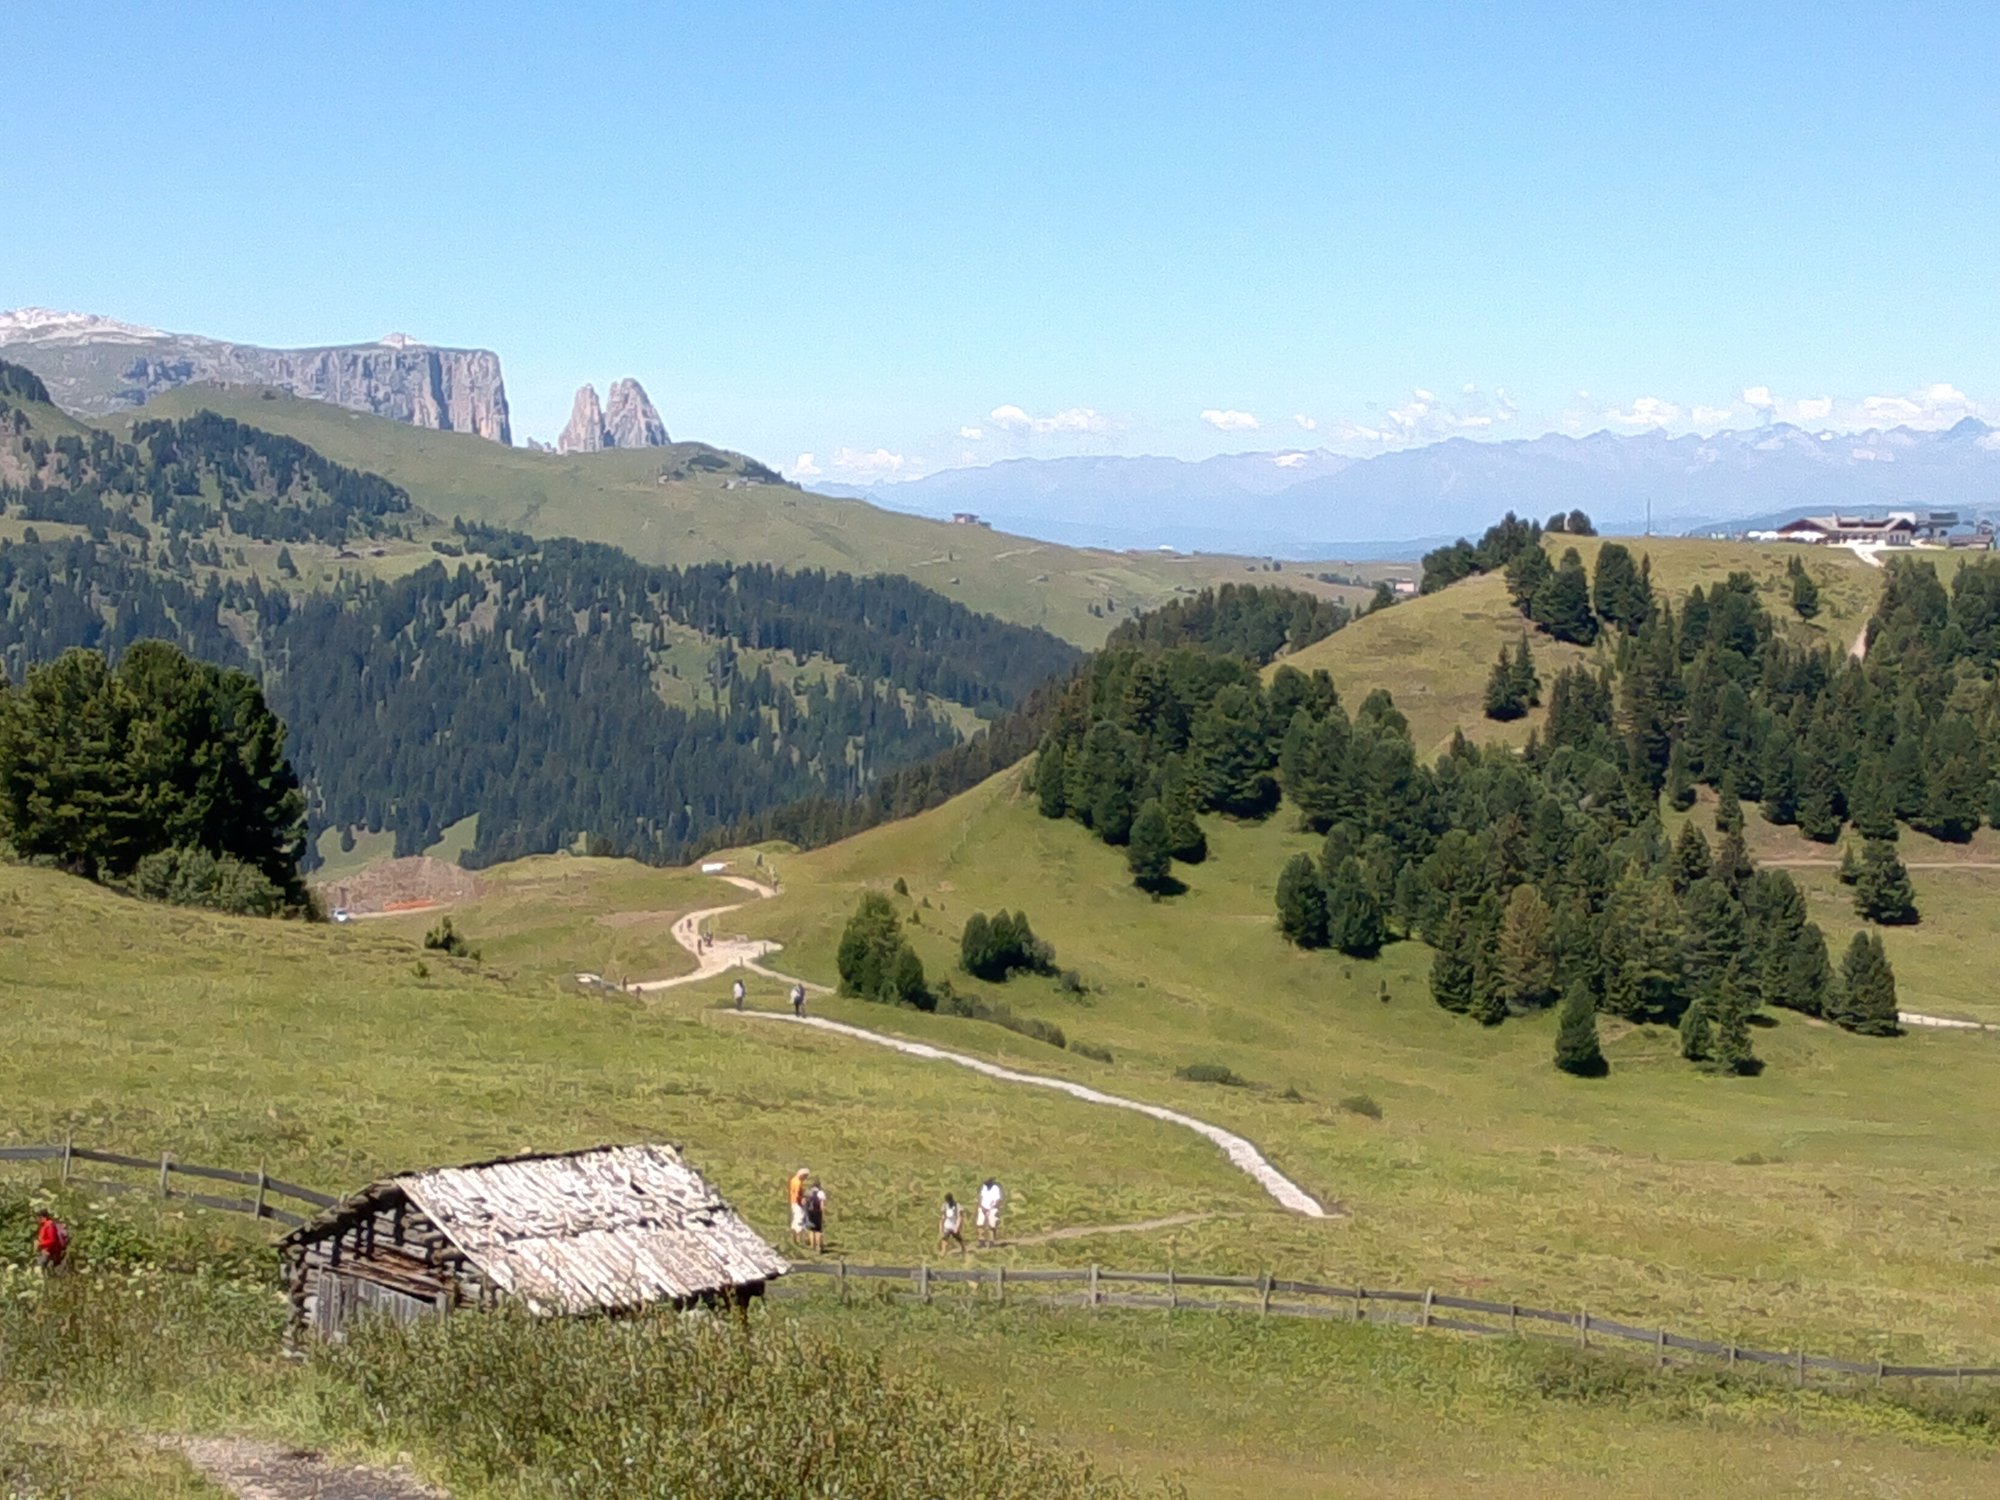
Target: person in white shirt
{"type": "Point", "coordinates": [736, 993]}
{"type": "Point", "coordinates": [951, 1226]}
{"type": "Point", "coordinates": [989, 1212]}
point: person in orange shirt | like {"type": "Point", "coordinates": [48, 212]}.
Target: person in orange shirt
{"type": "Point", "coordinates": [797, 1193]}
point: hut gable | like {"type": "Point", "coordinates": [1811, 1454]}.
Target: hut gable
{"type": "Point", "coordinates": [612, 1228]}
{"type": "Point", "coordinates": [605, 1230]}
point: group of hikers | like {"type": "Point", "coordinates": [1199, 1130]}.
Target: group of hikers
{"type": "Point", "coordinates": [807, 1198]}
{"type": "Point", "coordinates": [737, 992]}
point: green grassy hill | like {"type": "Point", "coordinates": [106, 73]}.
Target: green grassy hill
{"type": "Point", "coordinates": [709, 514]}
{"type": "Point", "coordinates": [1434, 652]}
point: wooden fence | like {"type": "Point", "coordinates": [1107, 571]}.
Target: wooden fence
{"type": "Point", "coordinates": [1269, 1296]}
{"type": "Point", "coordinates": [1174, 1290]}
{"type": "Point", "coordinates": [160, 1176]}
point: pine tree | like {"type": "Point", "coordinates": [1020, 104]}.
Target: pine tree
{"type": "Point", "coordinates": [1805, 593]}
{"type": "Point", "coordinates": [1316, 772]}
{"type": "Point", "coordinates": [1186, 841]}
{"type": "Point", "coordinates": [1821, 806]}
{"type": "Point", "coordinates": [975, 945]}
{"type": "Point", "coordinates": [1697, 1033]}
{"type": "Point", "coordinates": [1051, 777]}
{"type": "Point", "coordinates": [1561, 606]}
{"type": "Point", "coordinates": [1691, 857]}
{"type": "Point", "coordinates": [1527, 681]}
{"type": "Point", "coordinates": [1578, 1051]}
{"type": "Point", "coordinates": [1869, 801]}
{"type": "Point", "coordinates": [1779, 773]}
{"type": "Point", "coordinates": [1528, 570]}
{"type": "Point", "coordinates": [1849, 872]}
{"type": "Point", "coordinates": [1728, 810]}
{"type": "Point", "coordinates": [1733, 1050]}
{"type": "Point", "coordinates": [1524, 952]}
{"type": "Point", "coordinates": [1146, 851]}
{"type": "Point", "coordinates": [1302, 903]}
{"type": "Point", "coordinates": [1866, 998]}
{"type": "Point", "coordinates": [1882, 891]}
{"type": "Point", "coordinates": [1623, 598]}
{"type": "Point", "coordinates": [1451, 964]}
{"type": "Point", "coordinates": [1956, 791]}
{"type": "Point", "coordinates": [1353, 913]}
{"type": "Point", "coordinates": [1680, 784]}
{"type": "Point", "coordinates": [1230, 756]}
{"type": "Point", "coordinates": [1504, 698]}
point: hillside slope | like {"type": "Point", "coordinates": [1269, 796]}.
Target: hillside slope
{"type": "Point", "coordinates": [1433, 653]}
{"type": "Point", "coordinates": [691, 503]}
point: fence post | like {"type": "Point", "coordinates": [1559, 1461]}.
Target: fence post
{"type": "Point", "coordinates": [1425, 1320]}
{"type": "Point", "coordinates": [1583, 1328]}
{"type": "Point", "coordinates": [1878, 1372]}
{"type": "Point", "coordinates": [1173, 1290]}
{"type": "Point", "coordinates": [1360, 1291]}
{"type": "Point", "coordinates": [1000, 1281]}
{"type": "Point", "coordinates": [163, 1174]}
{"type": "Point", "coordinates": [1958, 1377]}
{"type": "Point", "coordinates": [1802, 1364]}
{"type": "Point", "coordinates": [843, 1278]}
{"type": "Point", "coordinates": [67, 1139]}
{"type": "Point", "coordinates": [1732, 1356]}
{"type": "Point", "coordinates": [1513, 1320]}
{"type": "Point", "coordinates": [1660, 1343]}
{"type": "Point", "coordinates": [1093, 1283]}
{"type": "Point", "coordinates": [262, 1180]}
{"type": "Point", "coordinates": [924, 1281]}
{"type": "Point", "coordinates": [1264, 1296]}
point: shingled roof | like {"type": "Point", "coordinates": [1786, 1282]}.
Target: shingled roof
{"type": "Point", "coordinates": [610, 1228]}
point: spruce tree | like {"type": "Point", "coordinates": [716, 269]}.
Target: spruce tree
{"type": "Point", "coordinates": [1353, 914]}
{"type": "Point", "coordinates": [1821, 804]}
{"type": "Point", "coordinates": [1561, 606]}
{"type": "Point", "coordinates": [1524, 952]}
{"type": "Point", "coordinates": [1697, 1033]}
{"type": "Point", "coordinates": [1578, 1051]}
{"type": "Point", "coordinates": [1849, 872]}
{"type": "Point", "coordinates": [1622, 596]}
{"type": "Point", "coordinates": [1805, 593]}
{"type": "Point", "coordinates": [1882, 891]}
{"type": "Point", "coordinates": [1728, 810]}
{"type": "Point", "coordinates": [1451, 964]}
{"type": "Point", "coordinates": [1302, 904]}
{"type": "Point", "coordinates": [1230, 755]}
{"type": "Point", "coordinates": [1869, 802]}
{"type": "Point", "coordinates": [1680, 784]}
{"type": "Point", "coordinates": [1528, 570]}
{"type": "Point", "coordinates": [1866, 999]}
{"type": "Point", "coordinates": [1733, 1050]}
{"type": "Point", "coordinates": [1527, 681]}
{"type": "Point", "coordinates": [1186, 841]}
{"type": "Point", "coordinates": [1051, 777]}
{"type": "Point", "coordinates": [1691, 857]}
{"type": "Point", "coordinates": [1780, 775]}
{"type": "Point", "coordinates": [1146, 852]}
{"type": "Point", "coordinates": [1504, 698]}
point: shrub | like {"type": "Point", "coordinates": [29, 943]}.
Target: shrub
{"type": "Point", "coordinates": [195, 877]}
{"type": "Point", "coordinates": [1361, 1104]}
{"type": "Point", "coordinates": [875, 961]}
{"type": "Point", "coordinates": [446, 939]}
{"type": "Point", "coordinates": [951, 1003]}
{"type": "Point", "coordinates": [1205, 1072]}
{"type": "Point", "coordinates": [1091, 1051]}
{"type": "Point", "coordinates": [994, 947]}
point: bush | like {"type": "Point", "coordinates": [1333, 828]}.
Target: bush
{"type": "Point", "coordinates": [951, 1003]}
{"type": "Point", "coordinates": [994, 947]}
{"type": "Point", "coordinates": [1091, 1051]}
{"type": "Point", "coordinates": [663, 1404]}
{"type": "Point", "coordinates": [875, 961]}
{"type": "Point", "coordinates": [1361, 1104]}
{"type": "Point", "coordinates": [445, 939]}
{"type": "Point", "coordinates": [195, 877]}
{"type": "Point", "coordinates": [1211, 1073]}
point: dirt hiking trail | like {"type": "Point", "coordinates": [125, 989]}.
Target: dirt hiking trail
{"type": "Point", "coordinates": [252, 1470]}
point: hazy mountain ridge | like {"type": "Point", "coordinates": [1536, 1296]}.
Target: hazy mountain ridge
{"type": "Point", "coordinates": [95, 365]}
{"type": "Point", "coordinates": [1309, 503]}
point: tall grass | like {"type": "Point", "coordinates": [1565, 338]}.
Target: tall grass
{"type": "Point", "coordinates": [679, 1404]}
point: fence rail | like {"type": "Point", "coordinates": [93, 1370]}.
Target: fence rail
{"type": "Point", "coordinates": [1268, 1295]}
{"type": "Point", "coordinates": [163, 1169]}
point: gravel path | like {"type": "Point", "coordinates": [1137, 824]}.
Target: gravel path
{"type": "Point", "coordinates": [253, 1470]}
{"type": "Point", "coordinates": [726, 954]}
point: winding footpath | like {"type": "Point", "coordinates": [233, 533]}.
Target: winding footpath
{"type": "Point", "coordinates": [723, 954]}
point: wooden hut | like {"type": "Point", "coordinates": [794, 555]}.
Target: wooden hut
{"type": "Point", "coordinates": [610, 1229]}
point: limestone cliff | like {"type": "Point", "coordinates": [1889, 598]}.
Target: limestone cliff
{"type": "Point", "coordinates": [629, 418]}
{"type": "Point", "coordinates": [585, 433]}
{"type": "Point", "coordinates": [96, 365]}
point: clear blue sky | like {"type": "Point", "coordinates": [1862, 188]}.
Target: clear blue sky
{"type": "Point", "coordinates": [816, 227]}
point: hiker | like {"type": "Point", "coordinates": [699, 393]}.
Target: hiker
{"type": "Point", "coordinates": [951, 1227]}
{"type": "Point", "coordinates": [799, 1001]}
{"type": "Point", "coordinates": [736, 993]}
{"type": "Point", "coordinates": [51, 1242]}
{"type": "Point", "coordinates": [989, 1212]}
{"type": "Point", "coordinates": [816, 1218]}
{"type": "Point", "coordinates": [796, 1192]}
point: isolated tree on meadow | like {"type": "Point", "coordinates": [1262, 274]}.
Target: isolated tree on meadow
{"type": "Point", "coordinates": [1865, 1000]}
{"type": "Point", "coordinates": [1504, 698]}
{"type": "Point", "coordinates": [1882, 890]}
{"type": "Point", "coordinates": [1697, 1033]}
{"type": "Point", "coordinates": [1146, 852]}
{"type": "Point", "coordinates": [1578, 1051]}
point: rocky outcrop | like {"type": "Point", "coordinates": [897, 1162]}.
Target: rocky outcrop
{"type": "Point", "coordinates": [94, 365]}
{"type": "Point", "coordinates": [629, 418]}
{"type": "Point", "coordinates": [585, 433]}
{"type": "Point", "coordinates": [628, 422]}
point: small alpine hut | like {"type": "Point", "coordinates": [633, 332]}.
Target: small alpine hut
{"type": "Point", "coordinates": [611, 1229]}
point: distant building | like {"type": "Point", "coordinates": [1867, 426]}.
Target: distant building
{"type": "Point", "coordinates": [611, 1229]}
{"type": "Point", "coordinates": [1403, 588]}
{"type": "Point", "coordinates": [1899, 528]}
{"type": "Point", "coordinates": [968, 518]}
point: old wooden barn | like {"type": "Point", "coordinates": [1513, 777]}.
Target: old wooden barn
{"type": "Point", "coordinates": [610, 1229]}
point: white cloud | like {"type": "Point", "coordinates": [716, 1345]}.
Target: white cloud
{"type": "Point", "coordinates": [1230, 421]}
{"type": "Point", "coordinates": [1647, 411]}
{"type": "Point", "coordinates": [878, 464]}
{"type": "Point", "coordinates": [972, 434]}
{"type": "Point", "coordinates": [1759, 398]}
{"type": "Point", "coordinates": [1289, 460]}
{"type": "Point", "coordinates": [1711, 416]}
{"type": "Point", "coordinates": [1075, 419]}
{"type": "Point", "coordinates": [1814, 408]}
{"type": "Point", "coordinates": [1310, 424]}
{"type": "Point", "coordinates": [803, 467]}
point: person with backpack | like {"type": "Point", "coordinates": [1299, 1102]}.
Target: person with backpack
{"type": "Point", "coordinates": [799, 1001]}
{"type": "Point", "coordinates": [51, 1242]}
{"type": "Point", "coordinates": [816, 1218]}
{"type": "Point", "coordinates": [951, 1226]}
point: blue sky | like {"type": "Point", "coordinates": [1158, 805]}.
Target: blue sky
{"type": "Point", "coordinates": [869, 232]}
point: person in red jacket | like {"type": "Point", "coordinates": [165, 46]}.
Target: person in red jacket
{"type": "Point", "coordinates": [51, 1242]}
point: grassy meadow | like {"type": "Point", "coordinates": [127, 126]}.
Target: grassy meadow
{"type": "Point", "coordinates": [617, 497]}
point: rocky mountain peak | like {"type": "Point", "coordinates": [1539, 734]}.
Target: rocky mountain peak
{"type": "Point", "coordinates": [585, 432]}
{"type": "Point", "coordinates": [629, 418]}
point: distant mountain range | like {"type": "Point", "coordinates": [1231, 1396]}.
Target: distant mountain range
{"type": "Point", "coordinates": [1317, 504]}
